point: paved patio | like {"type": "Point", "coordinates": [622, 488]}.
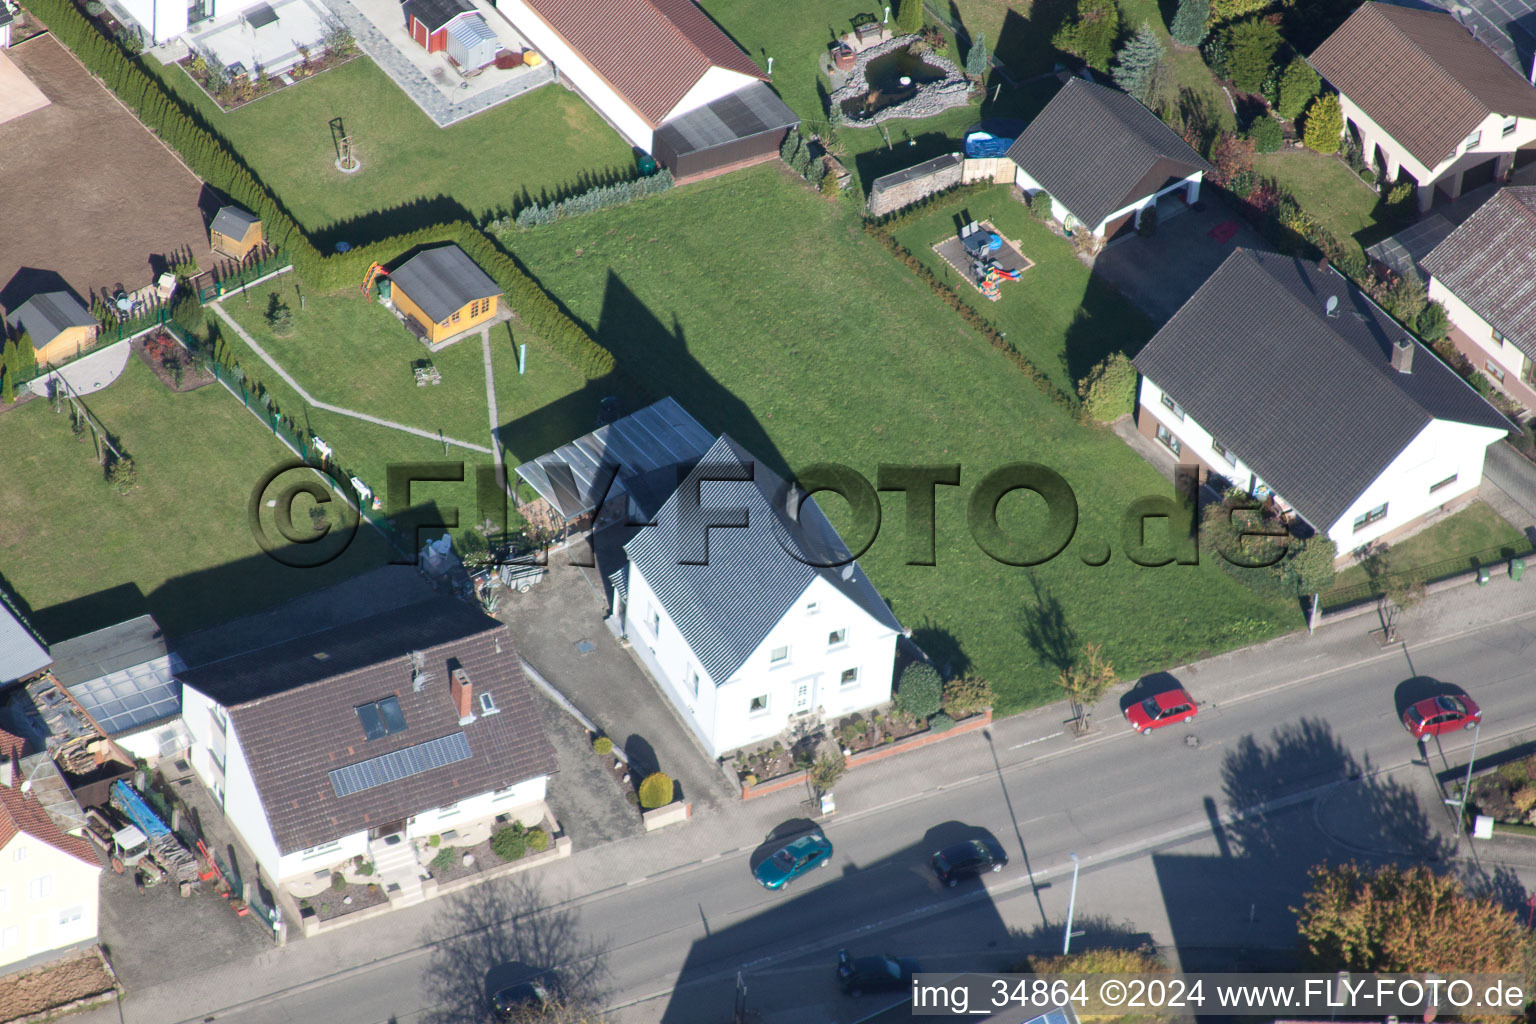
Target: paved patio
{"type": "Point", "coordinates": [268, 39]}
{"type": "Point", "coordinates": [1160, 273]}
{"type": "Point", "coordinates": [1009, 257]}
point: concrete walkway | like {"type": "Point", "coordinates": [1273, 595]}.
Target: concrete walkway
{"type": "Point", "coordinates": [415, 84]}
{"type": "Point", "coordinates": [328, 407]}
{"type": "Point", "coordinates": [89, 373]}
{"type": "Point", "coordinates": [490, 406]}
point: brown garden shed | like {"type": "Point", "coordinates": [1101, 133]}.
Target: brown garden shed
{"type": "Point", "coordinates": [234, 232]}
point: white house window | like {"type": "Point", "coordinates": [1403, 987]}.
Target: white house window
{"type": "Point", "coordinates": [1171, 404]}
{"type": "Point", "coordinates": [1375, 515]}
{"type": "Point", "coordinates": [322, 849]}
{"type": "Point", "coordinates": [759, 705]}
{"type": "Point", "coordinates": [449, 811]}
{"type": "Point", "coordinates": [488, 704]}
{"type": "Point", "coordinates": [693, 682]}
{"type": "Point", "coordinates": [9, 937]}
{"type": "Point", "coordinates": [1221, 450]}
{"type": "Point", "coordinates": [20, 853]}
{"type": "Point", "coordinates": [850, 677]}
{"type": "Point", "coordinates": [836, 637]}
{"type": "Point", "coordinates": [1474, 138]}
{"type": "Point", "coordinates": [1497, 336]}
{"type": "Point", "coordinates": [42, 887]}
{"type": "Point", "coordinates": [653, 619]}
{"type": "Point", "coordinates": [1509, 125]}
{"type": "Point", "coordinates": [1166, 436]}
{"type": "Point", "coordinates": [812, 606]}
{"type": "Point", "coordinates": [5, 900]}
{"type": "Point", "coordinates": [778, 655]}
{"type": "Point", "coordinates": [1494, 370]}
{"type": "Point", "coordinates": [71, 915]}
{"type": "Point", "coordinates": [1443, 483]}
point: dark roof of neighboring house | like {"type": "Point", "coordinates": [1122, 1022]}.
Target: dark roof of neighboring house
{"type": "Point", "coordinates": [1098, 150]}
{"type": "Point", "coordinates": [1309, 402]}
{"type": "Point", "coordinates": [93, 655]}
{"type": "Point", "coordinates": [22, 812]}
{"type": "Point", "coordinates": [293, 704]}
{"type": "Point", "coordinates": [1508, 27]}
{"type": "Point", "coordinates": [725, 608]}
{"type": "Point", "coordinates": [443, 281]}
{"type": "Point", "coordinates": [434, 14]}
{"type": "Point", "coordinates": [233, 222]}
{"type": "Point", "coordinates": [648, 447]}
{"type": "Point", "coordinates": [21, 652]}
{"type": "Point", "coordinates": [1489, 262]}
{"type": "Point", "coordinates": [746, 112]}
{"type": "Point", "coordinates": [650, 51]}
{"type": "Point", "coordinates": [1421, 76]}
{"type": "Point", "coordinates": [47, 315]}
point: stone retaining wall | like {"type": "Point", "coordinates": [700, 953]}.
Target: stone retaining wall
{"type": "Point", "coordinates": [904, 191]}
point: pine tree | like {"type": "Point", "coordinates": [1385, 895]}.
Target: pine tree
{"type": "Point", "coordinates": [1251, 48]}
{"type": "Point", "coordinates": [1325, 123]}
{"type": "Point", "coordinates": [26, 355]}
{"type": "Point", "coordinates": [976, 59]}
{"type": "Point", "coordinates": [1137, 62]}
{"type": "Point", "coordinates": [1189, 22]}
{"type": "Point", "coordinates": [909, 17]}
{"type": "Point", "coordinates": [1091, 32]}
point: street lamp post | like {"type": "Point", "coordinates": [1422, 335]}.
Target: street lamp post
{"type": "Point", "coordinates": [1466, 789]}
{"type": "Point", "coordinates": [1066, 939]}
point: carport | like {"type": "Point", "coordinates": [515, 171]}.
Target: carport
{"type": "Point", "coordinates": [745, 127]}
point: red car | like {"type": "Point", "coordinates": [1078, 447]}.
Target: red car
{"type": "Point", "coordinates": [1167, 708]}
{"type": "Point", "coordinates": [1446, 713]}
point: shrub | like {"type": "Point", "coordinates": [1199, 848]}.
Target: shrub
{"type": "Point", "coordinates": [1090, 32]}
{"type": "Point", "coordinates": [1298, 85]}
{"type": "Point", "coordinates": [976, 58]}
{"type": "Point", "coordinates": [656, 791]}
{"type": "Point", "coordinates": [826, 770]}
{"type": "Point", "coordinates": [1434, 323]}
{"type": "Point", "coordinates": [920, 692]}
{"type": "Point", "coordinates": [941, 722]}
{"type": "Point", "coordinates": [1251, 48]}
{"type": "Point", "coordinates": [443, 861]}
{"type": "Point", "coordinates": [1190, 21]}
{"type": "Point", "coordinates": [510, 843]}
{"type": "Point", "coordinates": [1146, 226]}
{"type": "Point", "coordinates": [338, 881]}
{"type": "Point", "coordinates": [279, 315]}
{"type": "Point", "coordinates": [95, 8]}
{"type": "Point", "coordinates": [435, 840]}
{"type": "Point", "coordinates": [1265, 134]}
{"type": "Point", "coordinates": [365, 868]}
{"type": "Point", "coordinates": [1524, 799]}
{"type": "Point", "coordinates": [1040, 204]}
{"type": "Point", "coordinates": [188, 312]}
{"type": "Point", "coordinates": [1109, 390]}
{"type": "Point", "coordinates": [537, 839]}
{"type": "Point", "coordinates": [1325, 123]}
{"type": "Point", "coordinates": [909, 16]}
{"type": "Point", "coordinates": [1215, 53]}
{"type": "Point", "coordinates": [966, 695]}
{"type": "Point", "coordinates": [602, 746]}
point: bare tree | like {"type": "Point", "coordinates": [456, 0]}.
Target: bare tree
{"type": "Point", "coordinates": [1086, 679]}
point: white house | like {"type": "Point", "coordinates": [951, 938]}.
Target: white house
{"type": "Point", "coordinates": [1485, 273]}
{"type": "Point", "coordinates": [1427, 98]}
{"type": "Point", "coordinates": [409, 722]}
{"type": "Point", "coordinates": [1290, 383]}
{"type": "Point", "coordinates": [1103, 158]}
{"type": "Point", "coordinates": [752, 627]}
{"type": "Point", "coordinates": [49, 880]}
{"type": "Point", "coordinates": [646, 64]}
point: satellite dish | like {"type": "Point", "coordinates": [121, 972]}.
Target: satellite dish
{"type": "Point", "coordinates": [1333, 305]}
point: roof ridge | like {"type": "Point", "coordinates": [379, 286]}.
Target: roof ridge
{"type": "Point", "coordinates": [678, 30]}
{"type": "Point", "coordinates": [1378, 6]}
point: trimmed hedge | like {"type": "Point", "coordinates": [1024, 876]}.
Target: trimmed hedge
{"type": "Point", "coordinates": [213, 160]}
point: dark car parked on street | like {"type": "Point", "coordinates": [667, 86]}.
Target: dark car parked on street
{"type": "Point", "coordinates": [966, 859]}
{"type": "Point", "coordinates": [863, 974]}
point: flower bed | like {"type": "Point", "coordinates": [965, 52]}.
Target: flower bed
{"type": "Point", "coordinates": [1507, 794]}
{"type": "Point", "coordinates": [349, 899]}
{"type": "Point", "coordinates": [233, 91]}
{"type": "Point", "coordinates": [173, 364]}
{"type": "Point", "coordinates": [448, 862]}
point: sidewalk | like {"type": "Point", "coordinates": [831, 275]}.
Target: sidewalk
{"type": "Point", "coordinates": [734, 827]}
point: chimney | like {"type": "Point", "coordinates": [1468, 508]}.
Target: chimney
{"type": "Point", "coordinates": [7, 772]}
{"type": "Point", "coordinates": [463, 695]}
{"type": "Point", "coordinates": [1402, 355]}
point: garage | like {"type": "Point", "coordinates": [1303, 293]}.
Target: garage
{"type": "Point", "coordinates": [744, 127]}
{"type": "Point", "coordinates": [1478, 176]}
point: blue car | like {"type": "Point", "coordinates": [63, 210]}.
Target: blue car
{"type": "Point", "coordinates": [789, 863]}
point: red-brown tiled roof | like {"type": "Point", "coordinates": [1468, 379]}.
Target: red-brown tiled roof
{"type": "Point", "coordinates": [650, 51]}
{"type": "Point", "coordinates": [13, 747]}
{"type": "Point", "coordinates": [1489, 263]}
{"type": "Point", "coordinates": [20, 812]}
{"type": "Point", "coordinates": [1421, 76]}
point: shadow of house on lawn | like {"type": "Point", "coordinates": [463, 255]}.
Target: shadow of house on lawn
{"type": "Point", "coordinates": [787, 952]}
{"type": "Point", "coordinates": [1300, 794]}
{"type": "Point", "coordinates": [1106, 322]}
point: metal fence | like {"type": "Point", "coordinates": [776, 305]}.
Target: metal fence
{"type": "Point", "coordinates": [1433, 572]}
{"type": "Point", "coordinates": [231, 275]}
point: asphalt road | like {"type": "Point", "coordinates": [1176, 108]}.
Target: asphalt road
{"type": "Point", "coordinates": [1196, 838]}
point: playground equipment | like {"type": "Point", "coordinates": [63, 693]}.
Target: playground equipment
{"type": "Point", "coordinates": [989, 274]}
{"type": "Point", "coordinates": [375, 271]}
{"type": "Point", "coordinates": [163, 846]}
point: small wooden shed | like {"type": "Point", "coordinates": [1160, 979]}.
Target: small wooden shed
{"type": "Point", "coordinates": [443, 292]}
{"type": "Point", "coordinates": [59, 325]}
{"type": "Point", "coordinates": [428, 20]}
{"type": "Point", "coordinates": [234, 233]}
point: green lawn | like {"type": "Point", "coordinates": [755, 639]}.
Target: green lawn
{"type": "Point", "coordinates": [1032, 311]}
{"type": "Point", "coordinates": [541, 141]}
{"type": "Point", "coordinates": [1448, 547]}
{"type": "Point", "coordinates": [180, 547]}
{"type": "Point", "coordinates": [1325, 188]}
{"type": "Point", "coordinates": [795, 332]}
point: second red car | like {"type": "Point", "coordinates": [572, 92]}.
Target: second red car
{"type": "Point", "coordinates": [1167, 708]}
{"type": "Point", "coordinates": [1446, 713]}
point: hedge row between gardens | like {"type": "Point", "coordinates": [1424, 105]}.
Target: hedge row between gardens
{"type": "Point", "coordinates": [212, 159]}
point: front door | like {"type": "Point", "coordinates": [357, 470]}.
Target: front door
{"type": "Point", "coordinates": [805, 695]}
{"type": "Point", "coordinates": [387, 829]}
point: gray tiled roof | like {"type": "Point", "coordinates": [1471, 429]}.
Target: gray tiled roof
{"type": "Point", "coordinates": [649, 448]}
{"type": "Point", "coordinates": [47, 315]}
{"type": "Point", "coordinates": [742, 114]}
{"type": "Point", "coordinates": [1507, 27]}
{"type": "Point", "coordinates": [1098, 150]}
{"type": "Point", "coordinates": [725, 608]}
{"type": "Point", "coordinates": [21, 653]}
{"type": "Point", "coordinates": [294, 714]}
{"type": "Point", "coordinates": [434, 14]}
{"type": "Point", "coordinates": [1489, 262]}
{"type": "Point", "coordinates": [1308, 401]}
{"type": "Point", "coordinates": [233, 222]}
{"type": "Point", "coordinates": [443, 281]}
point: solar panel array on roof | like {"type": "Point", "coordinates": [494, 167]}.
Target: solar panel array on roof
{"type": "Point", "coordinates": [136, 696]}
{"type": "Point", "coordinates": [381, 718]}
{"type": "Point", "coordinates": [400, 764]}
{"type": "Point", "coordinates": [394, 718]}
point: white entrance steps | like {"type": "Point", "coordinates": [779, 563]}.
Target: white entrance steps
{"type": "Point", "coordinates": [397, 869]}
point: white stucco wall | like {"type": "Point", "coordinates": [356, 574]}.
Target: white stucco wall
{"type": "Point", "coordinates": [243, 809]}
{"type": "Point", "coordinates": [1479, 330]}
{"type": "Point", "coordinates": [549, 43]}
{"type": "Point", "coordinates": [160, 19]}
{"type": "Point", "coordinates": [809, 680]}
{"type": "Point", "coordinates": [48, 899]}
{"type": "Point", "coordinates": [198, 715]}
{"type": "Point", "coordinates": [1026, 181]}
{"type": "Point", "coordinates": [1492, 142]}
{"type": "Point", "coordinates": [1196, 441]}
{"type": "Point", "coordinates": [717, 82]}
